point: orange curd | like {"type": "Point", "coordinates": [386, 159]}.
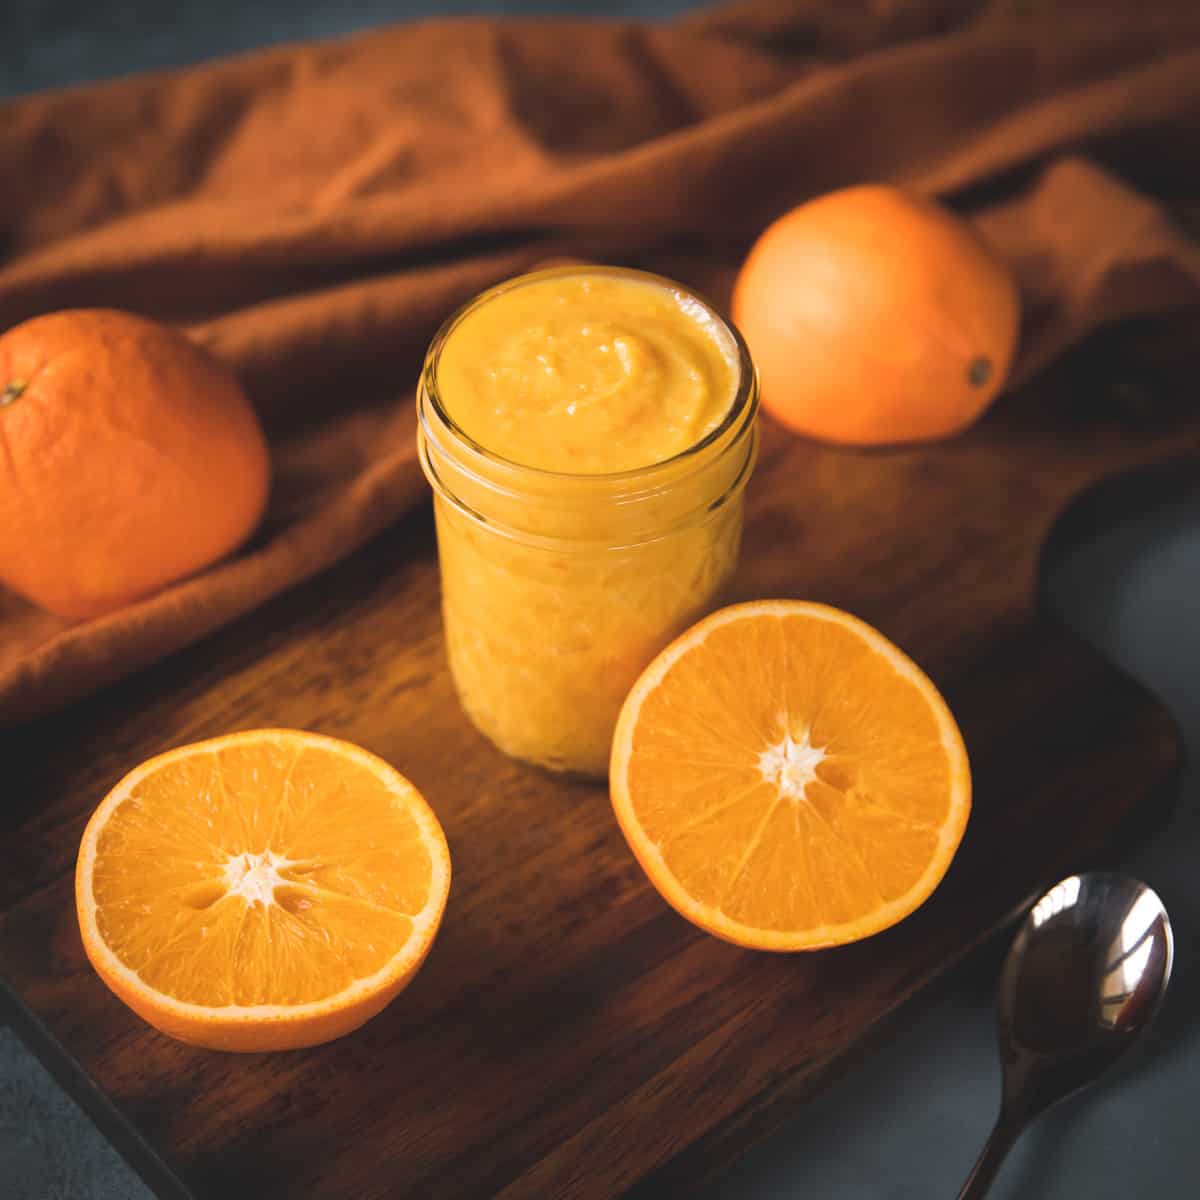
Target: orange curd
{"type": "Point", "coordinates": [588, 433]}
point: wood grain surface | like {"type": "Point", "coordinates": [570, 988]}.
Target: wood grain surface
{"type": "Point", "coordinates": [569, 1034]}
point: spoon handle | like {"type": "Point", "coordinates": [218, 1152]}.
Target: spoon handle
{"type": "Point", "coordinates": [984, 1172]}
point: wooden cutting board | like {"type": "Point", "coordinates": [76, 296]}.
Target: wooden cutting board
{"type": "Point", "coordinates": [570, 1034]}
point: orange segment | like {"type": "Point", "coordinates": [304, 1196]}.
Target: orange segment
{"type": "Point", "coordinates": [788, 778]}
{"type": "Point", "coordinates": [260, 891]}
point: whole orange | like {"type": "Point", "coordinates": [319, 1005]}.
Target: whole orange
{"type": "Point", "coordinates": [129, 458]}
{"type": "Point", "coordinates": [875, 315]}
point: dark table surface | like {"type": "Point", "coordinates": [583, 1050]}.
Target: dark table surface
{"type": "Point", "coordinates": [906, 1123]}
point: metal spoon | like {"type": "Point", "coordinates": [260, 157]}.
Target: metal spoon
{"type": "Point", "coordinates": [1084, 977]}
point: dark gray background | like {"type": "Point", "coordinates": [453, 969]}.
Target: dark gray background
{"type": "Point", "coordinates": [906, 1124]}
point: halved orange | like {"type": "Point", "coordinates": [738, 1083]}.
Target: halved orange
{"type": "Point", "coordinates": [788, 778]}
{"type": "Point", "coordinates": [261, 891]}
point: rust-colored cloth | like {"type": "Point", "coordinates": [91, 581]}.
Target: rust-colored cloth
{"type": "Point", "coordinates": [313, 213]}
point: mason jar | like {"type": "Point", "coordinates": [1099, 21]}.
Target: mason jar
{"type": "Point", "coordinates": [558, 589]}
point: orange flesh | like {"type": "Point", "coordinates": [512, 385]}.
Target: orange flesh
{"type": "Point", "coordinates": [259, 874]}
{"type": "Point", "coordinates": [787, 776]}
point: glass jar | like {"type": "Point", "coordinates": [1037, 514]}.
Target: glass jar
{"type": "Point", "coordinates": [558, 589]}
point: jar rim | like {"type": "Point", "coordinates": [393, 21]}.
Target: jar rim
{"type": "Point", "coordinates": [560, 544]}
{"type": "Point", "coordinates": [741, 408]}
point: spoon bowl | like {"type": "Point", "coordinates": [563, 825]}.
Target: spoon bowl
{"type": "Point", "coordinates": [1085, 976]}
